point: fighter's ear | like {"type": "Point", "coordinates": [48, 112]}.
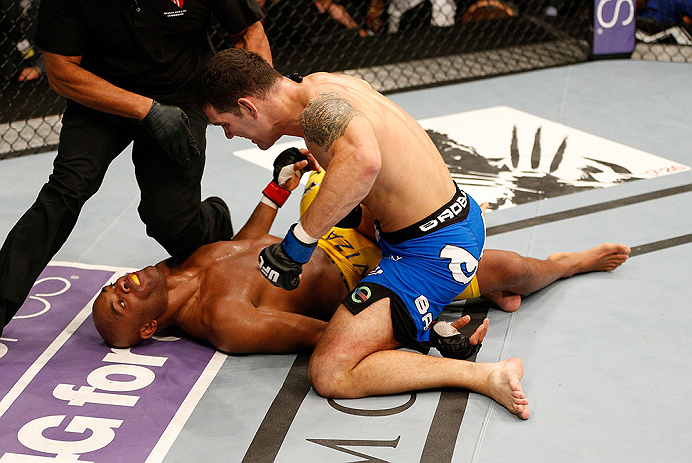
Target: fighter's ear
{"type": "Point", "coordinates": [148, 329]}
{"type": "Point", "coordinates": [248, 106]}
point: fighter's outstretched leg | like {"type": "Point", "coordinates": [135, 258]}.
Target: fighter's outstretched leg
{"type": "Point", "coordinates": [504, 276]}
{"type": "Point", "coordinates": [355, 357]}
{"type": "Point", "coordinates": [605, 257]}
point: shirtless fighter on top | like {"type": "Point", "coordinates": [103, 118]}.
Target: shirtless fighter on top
{"type": "Point", "coordinates": [216, 295]}
{"type": "Point", "coordinates": [431, 233]}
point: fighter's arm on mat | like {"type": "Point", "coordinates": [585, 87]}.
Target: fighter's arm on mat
{"type": "Point", "coordinates": [355, 160]}
{"type": "Point", "coordinates": [258, 224]}
{"type": "Point", "coordinates": [69, 79]}
{"type": "Point", "coordinates": [238, 327]}
{"type": "Point", "coordinates": [254, 39]}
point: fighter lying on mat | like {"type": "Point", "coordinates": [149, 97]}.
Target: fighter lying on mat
{"type": "Point", "coordinates": [216, 294]}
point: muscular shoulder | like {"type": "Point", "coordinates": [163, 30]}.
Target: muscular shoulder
{"type": "Point", "coordinates": [220, 254]}
{"type": "Point", "coordinates": [256, 244]}
{"type": "Point", "coordinates": [337, 79]}
{"type": "Point", "coordinates": [238, 246]}
{"type": "Point", "coordinates": [223, 325]}
{"type": "Point", "coordinates": [326, 118]}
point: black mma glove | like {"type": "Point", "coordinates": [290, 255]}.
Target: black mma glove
{"type": "Point", "coordinates": [452, 344]}
{"type": "Point", "coordinates": [283, 165]}
{"type": "Point", "coordinates": [282, 263]}
{"type": "Point", "coordinates": [283, 171]}
{"type": "Point", "coordinates": [170, 127]}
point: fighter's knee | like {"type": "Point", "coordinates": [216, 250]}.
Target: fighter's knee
{"type": "Point", "coordinates": [182, 230]}
{"type": "Point", "coordinates": [514, 267]}
{"type": "Point", "coordinates": [327, 382]}
{"type": "Point", "coordinates": [328, 385]}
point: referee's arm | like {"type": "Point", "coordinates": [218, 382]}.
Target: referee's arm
{"type": "Point", "coordinates": [254, 39]}
{"type": "Point", "coordinates": [69, 79]}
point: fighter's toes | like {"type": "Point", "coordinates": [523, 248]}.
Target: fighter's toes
{"type": "Point", "coordinates": [521, 411]}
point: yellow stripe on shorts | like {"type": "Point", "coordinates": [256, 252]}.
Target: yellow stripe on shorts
{"type": "Point", "coordinates": [354, 254]}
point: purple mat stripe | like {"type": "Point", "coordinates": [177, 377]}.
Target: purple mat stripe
{"type": "Point", "coordinates": [57, 299]}
{"type": "Point", "coordinates": [73, 397]}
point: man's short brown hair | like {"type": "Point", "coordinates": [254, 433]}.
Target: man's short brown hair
{"type": "Point", "coordinates": [232, 74]}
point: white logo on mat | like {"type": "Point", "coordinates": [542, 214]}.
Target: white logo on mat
{"type": "Point", "coordinates": [508, 157]}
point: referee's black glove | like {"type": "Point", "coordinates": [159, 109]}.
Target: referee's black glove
{"type": "Point", "coordinates": [170, 127]}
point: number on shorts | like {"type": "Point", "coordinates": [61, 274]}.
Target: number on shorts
{"type": "Point", "coordinates": [423, 304]}
{"type": "Point", "coordinates": [462, 264]}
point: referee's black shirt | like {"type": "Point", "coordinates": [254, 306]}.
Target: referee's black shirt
{"type": "Point", "coordinates": [155, 48]}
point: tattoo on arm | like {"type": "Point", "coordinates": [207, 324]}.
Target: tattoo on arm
{"type": "Point", "coordinates": [325, 119]}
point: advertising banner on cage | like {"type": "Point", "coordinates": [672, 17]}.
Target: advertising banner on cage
{"type": "Point", "coordinates": [614, 27]}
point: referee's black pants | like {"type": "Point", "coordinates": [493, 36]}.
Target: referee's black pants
{"type": "Point", "coordinates": [170, 203]}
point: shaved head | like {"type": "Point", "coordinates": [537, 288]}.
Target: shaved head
{"type": "Point", "coordinates": [126, 311]}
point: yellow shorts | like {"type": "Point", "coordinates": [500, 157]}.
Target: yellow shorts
{"type": "Point", "coordinates": [471, 290]}
{"type": "Point", "coordinates": [352, 252]}
{"type": "Point", "coordinates": [311, 189]}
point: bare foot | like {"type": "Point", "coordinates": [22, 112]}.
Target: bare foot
{"type": "Point", "coordinates": [507, 301]}
{"type": "Point", "coordinates": [604, 257]}
{"type": "Point", "coordinates": [504, 386]}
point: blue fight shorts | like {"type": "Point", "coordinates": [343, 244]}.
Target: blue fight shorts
{"type": "Point", "coordinates": [423, 268]}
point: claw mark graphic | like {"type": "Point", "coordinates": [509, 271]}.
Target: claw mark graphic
{"type": "Point", "coordinates": [536, 153]}
{"type": "Point", "coordinates": [558, 156]}
{"type": "Point", "coordinates": [517, 185]}
{"type": "Point", "coordinates": [514, 149]}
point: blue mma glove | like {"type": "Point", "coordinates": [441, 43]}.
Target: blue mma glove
{"type": "Point", "coordinates": [282, 263]}
{"type": "Point", "coordinates": [452, 344]}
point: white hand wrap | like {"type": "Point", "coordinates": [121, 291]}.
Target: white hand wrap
{"type": "Point", "coordinates": [285, 174]}
{"type": "Point", "coordinates": [300, 233]}
{"type": "Point", "coordinates": [269, 202]}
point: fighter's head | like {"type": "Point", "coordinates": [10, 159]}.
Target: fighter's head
{"type": "Point", "coordinates": [234, 91]}
{"type": "Point", "coordinates": [231, 75]}
{"type": "Point", "coordinates": [126, 311]}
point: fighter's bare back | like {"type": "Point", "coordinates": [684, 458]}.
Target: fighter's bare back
{"type": "Point", "coordinates": [344, 117]}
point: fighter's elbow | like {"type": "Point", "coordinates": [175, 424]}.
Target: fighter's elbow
{"type": "Point", "coordinates": [369, 165]}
